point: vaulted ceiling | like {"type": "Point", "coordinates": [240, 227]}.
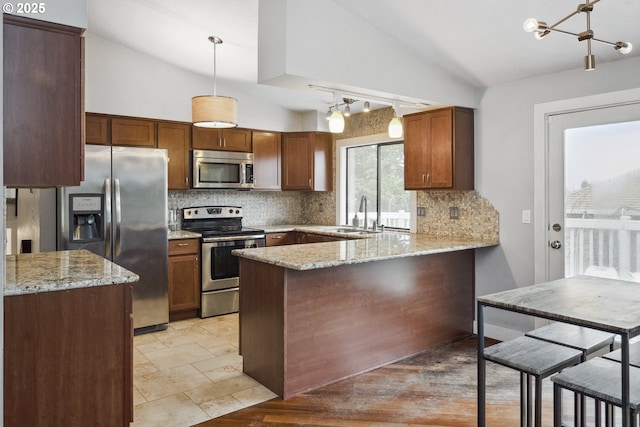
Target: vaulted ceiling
{"type": "Point", "coordinates": [480, 42]}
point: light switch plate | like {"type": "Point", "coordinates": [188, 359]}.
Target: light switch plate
{"type": "Point", "coordinates": [421, 211]}
{"type": "Point", "coordinates": [526, 216]}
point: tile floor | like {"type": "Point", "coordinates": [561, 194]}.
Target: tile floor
{"type": "Point", "coordinates": [191, 373]}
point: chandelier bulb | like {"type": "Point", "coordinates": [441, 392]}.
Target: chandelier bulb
{"type": "Point", "coordinates": [623, 47]}
{"type": "Point", "coordinates": [530, 25]}
{"type": "Point", "coordinates": [367, 107]}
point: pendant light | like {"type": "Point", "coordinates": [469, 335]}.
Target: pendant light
{"type": "Point", "coordinates": [213, 111]}
{"type": "Point", "coordinates": [541, 29]}
{"type": "Point", "coordinates": [395, 125]}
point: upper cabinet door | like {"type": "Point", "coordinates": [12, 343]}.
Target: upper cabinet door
{"type": "Point", "coordinates": [267, 160]}
{"type": "Point", "coordinates": [133, 132]}
{"type": "Point", "coordinates": [97, 129]}
{"type": "Point", "coordinates": [176, 138]}
{"type": "Point", "coordinates": [307, 161]}
{"type": "Point", "coordinates": [232, 139]}
{"type": "Point", "coordinates": [43, 103]}
{"type": "Point", "coordinates": [439, 149]}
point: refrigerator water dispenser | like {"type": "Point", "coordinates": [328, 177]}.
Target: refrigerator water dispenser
{"type": "Point", "coordinates": [86, 216]}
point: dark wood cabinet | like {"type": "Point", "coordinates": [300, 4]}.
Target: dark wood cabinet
{"type": "Point", "coordinates": [132, 132]}
{"type": "Point", "coordinates": [176, 139]}
{"type": "Point", "coordinates": [280, 239]}
{"type": "Point", "coordinates": [307, 161]}
{"type": "Point", "coordinates": [301, 238]}
{"type": "Point", "coordinates": [267, 160]}
{"type": "Point", "coordinates": [43, 103]}
{"type": "Point", "coordinates": [439, 149]}
{"type": "Point", "coordinates": [184, 278]}
{"type": "Point", "coordinates": [230, 139]}
{"type": "Point", "coordinates": [68, 357]}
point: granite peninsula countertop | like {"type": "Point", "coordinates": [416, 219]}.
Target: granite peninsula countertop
{"type": "Point", "coordinates": [359, 248]}
{"type": "Point", "coordinates": [54, 271]}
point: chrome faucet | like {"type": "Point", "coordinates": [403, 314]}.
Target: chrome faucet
{"type": "Point", "coordinates": [363, 208]}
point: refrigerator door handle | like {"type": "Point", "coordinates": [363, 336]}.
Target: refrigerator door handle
{"type": "Point", "coordinates": [118, 213]}
{"type": "Point", "coordinates": [107, 219]}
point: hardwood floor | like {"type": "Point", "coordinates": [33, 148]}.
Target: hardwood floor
{"type": "Point", "coordinates": [436, 388]}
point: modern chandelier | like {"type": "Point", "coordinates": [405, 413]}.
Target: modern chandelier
{"type": "Point", "coordinates": [541, 29]}
{"type": "Point", "coordinates": [212, 111]}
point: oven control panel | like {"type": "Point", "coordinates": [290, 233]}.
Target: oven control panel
{"type": "Point", "coordinates": [212, 212]}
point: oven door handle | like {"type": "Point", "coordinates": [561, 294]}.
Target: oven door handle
{"type": "Point", "coordinates": [232, 238]}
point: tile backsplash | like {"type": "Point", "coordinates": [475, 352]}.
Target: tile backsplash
{"type": "Point", "coordinates": [264, 207]}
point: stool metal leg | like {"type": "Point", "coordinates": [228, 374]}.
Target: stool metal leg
{"type": "Point", "coordinates": [538, 401]}
{"type": "Point", "coordinates": [529, 411]}
{"type": "Point", "coordinates": [597, 404]}
{"type": "Point", "coordinates": [557, 405]}
{"type": "Point", "coordinates": [523, 397]}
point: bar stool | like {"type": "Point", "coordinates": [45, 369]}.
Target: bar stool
{"type": "Point", "coordinates": [584, 339]}
{"type": "Point", "coordinates": [600, 379]}
{"type": "Point", "coordinates": [532, 358]}
{"type": "Point", "coordinates": [634, 355]}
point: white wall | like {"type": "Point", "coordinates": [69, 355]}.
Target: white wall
{"type": "Point", "coordinates": [505, 168]}
{"type": "Point", "coordinates": [121, 81]}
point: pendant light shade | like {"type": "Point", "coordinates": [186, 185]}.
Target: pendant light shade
{"type": "Point", "coordinates": [212, 111]}
{"type": "Point", "coordinates": [336, 122]}
{"type": "Point", "coordinates": [395, 128]}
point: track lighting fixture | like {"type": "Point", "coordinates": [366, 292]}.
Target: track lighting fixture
{"type": "Point", "coordinates": [541, 29]}
{"type": "Point", "coordinates": [367, 107]}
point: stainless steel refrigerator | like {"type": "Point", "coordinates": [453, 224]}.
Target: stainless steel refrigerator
{"type": "Point", "coordinates": [120, 213]}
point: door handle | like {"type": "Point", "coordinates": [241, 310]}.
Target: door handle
{"type": "Point", "coordinates": [555, 244]}
{"type": "Point", "coordinates": [118, 213]}
{"type": "Point", "coordinates": [107, 218]}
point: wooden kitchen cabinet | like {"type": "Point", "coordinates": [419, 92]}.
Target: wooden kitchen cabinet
{"type": "Point", "coordinates": [301, 238]}
{"type": "Point", "coordinates": [176, 139]}
{"type": "Point", "coordinates": [439, 149]}
{"type": "Point", "coordinates": [68, 357]}
{"type": "Point", "coordinates": [184, 278]}
{"type": "Point", "coordinates": [267, 160]}
{"type": "Point", "coordinates": [97, 129]}
{"type": "Point", "coordinates": [133, 132]}
{"type": "Point", "coordinates": [307, 161]}
{"type": "Point", "coordinates": [280, 239]}
{"type": "Point", "coordinates": [43, 103]}
{"type": "Point", "coordinates": [229, 139]}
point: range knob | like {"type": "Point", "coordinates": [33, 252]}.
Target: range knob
{"type": "Point", "coordinates": [195, 212]}
{"type": "Point", "coordinates": [230, 211]}
{"type": "Point", "coordinates": [237, 211]}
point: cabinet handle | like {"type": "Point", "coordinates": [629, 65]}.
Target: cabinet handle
{"type": "Point", "coordinates": [428, 178]}
{"type": "Point", "coordinates": [224, 142]}
{"type": "Point", "coordinates": [182, 245]}
{"type": "Point", "coordinates": [309, 182]}
{"type": "Point", "coordinates": [186, 181]}
{"type": "Point", "coordinates": [276, 237]}
{"type": "Point", "coordinates": [424, 179]}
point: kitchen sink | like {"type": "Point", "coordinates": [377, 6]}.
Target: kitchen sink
{"type": "Point", "coordinates": [354, 230]}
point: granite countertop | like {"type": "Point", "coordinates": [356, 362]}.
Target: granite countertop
{"type": "Point", "coordinates": [358, 249]}
{"type": "Point", "coordinates": [183, 234]}
{"type": "Point", "coordinates": [54, 271]}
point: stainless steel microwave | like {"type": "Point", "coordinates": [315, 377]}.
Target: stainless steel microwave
{"type": "Point", "coordinates": [222, 170]}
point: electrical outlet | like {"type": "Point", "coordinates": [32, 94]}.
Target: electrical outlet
{"type": "Point", "coordinates": [526, 216]}
{"type": "Point", "coordinates": [454, 212]}
{"type": "Point", "coordinates": [321, 208]}
{"type": "Point", "coordinates": [422, 211]}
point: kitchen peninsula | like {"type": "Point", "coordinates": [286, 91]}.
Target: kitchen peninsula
{"type": "Point", "coordinates": [68, 332]}
{"type": "Point", "coordinates": [312, 314]}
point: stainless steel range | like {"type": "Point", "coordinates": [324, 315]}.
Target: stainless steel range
{"type": "Point", "coordinates": [222, 232]}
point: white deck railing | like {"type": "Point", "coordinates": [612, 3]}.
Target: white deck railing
{"type": "Point", "coordinates": [604, 245]}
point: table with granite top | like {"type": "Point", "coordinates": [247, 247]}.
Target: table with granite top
{"type": "Point", "coordinates": [312, 314]}
{"type": "Point", "coordinates": [68, 340]}
{"type": "Point", "coordinates": [605, 304]}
